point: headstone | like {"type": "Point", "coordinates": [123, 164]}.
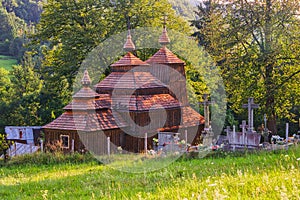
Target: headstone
{"type": "Point", "coordinates": [234, 138]}
{"type": "Point", "coordinates": [208, 133]}
{"type": "Point", "coordinates": [250, 106]}
{"type": "Point", "coordinates": [227, 130]}
{"type": "Point", "coordinates": [243, 126]}
{"type": "Point", "coordinates": [206, 103]}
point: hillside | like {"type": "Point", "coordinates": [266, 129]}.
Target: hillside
{"type": "Point", "coordinates": [17, 19]}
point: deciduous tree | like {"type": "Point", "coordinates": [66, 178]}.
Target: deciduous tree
{"type": "Point", "coordinates": [256, 43]}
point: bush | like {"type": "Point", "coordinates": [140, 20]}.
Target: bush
{"type": "Point", "coordinates": [49, 159]}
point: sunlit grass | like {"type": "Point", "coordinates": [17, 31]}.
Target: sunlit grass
{"type": "Point", "coordinates": [262, 175]}
{"type": "Point", "coordinates": [7, 62]}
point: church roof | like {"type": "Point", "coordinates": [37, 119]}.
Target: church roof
{"type": "Point", "coordinates": [190, 118]}
{"type": "Point", "coordinates": [129, 60]}
{"type": "Point", "coordinates": [164, 56]}
{"type": "Point", "coordinates": [87, 121]}
{"type": "Point", "coordinates": [102, 101]}
{"type": "Point", "coordinates": [130, 80]}
{"type": "Point", "coordinates": [86, 92]}
{"type": "Point", "coordinates": [145, 102]}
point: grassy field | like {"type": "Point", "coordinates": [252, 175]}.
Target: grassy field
{"type": "Point", "coordinates": [263, 175]}
{"type": "Point", "coordinates": [7, 62]}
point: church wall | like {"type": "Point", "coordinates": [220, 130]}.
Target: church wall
{"type": "Point", "coordinates": [54, 136]}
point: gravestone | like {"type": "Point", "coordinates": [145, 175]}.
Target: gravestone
{"type": "Point", "coordinates": [207, 133]}
{"type": "Point", "coordinates": [250, 106]}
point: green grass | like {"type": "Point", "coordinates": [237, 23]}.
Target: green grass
{"type": "Point", "coordinates": [7, 62]}
{"type": "Point", "coordinates": [262, 175]}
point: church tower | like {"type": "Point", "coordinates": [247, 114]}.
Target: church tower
{"type": "Point", "coordinates": [169, 69]}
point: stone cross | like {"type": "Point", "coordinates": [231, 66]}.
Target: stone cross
{"type": "Point", "coordinates": [206, 104]}
{"type": "Point", "coordinates": [243, 126]}
{"type": "Point", "coordinates": [251, 105]}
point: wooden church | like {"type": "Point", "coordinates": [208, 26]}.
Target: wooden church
{"type": "Point", "coordinates": [137, 99]}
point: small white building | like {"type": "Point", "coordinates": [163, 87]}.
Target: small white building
{"type": "Point", "coordinates": [25, 139]}
{"type": "Point", "coordinates": [23, 134]}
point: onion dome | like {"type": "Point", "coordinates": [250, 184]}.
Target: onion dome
{"type": "Point", "coordinates": [164, 38]}
{"type": "Point", "coordinates": [129, 46]}
{"type": "Point", "coordinates": [86, 80]}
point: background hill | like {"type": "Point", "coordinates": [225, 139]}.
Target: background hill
{"type": "Point", "coordinates": [17, 18]}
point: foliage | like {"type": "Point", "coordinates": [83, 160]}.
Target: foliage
{"type": "Point", "coordinates": [12, 31]}
{"type": "Point", "coordinates": [262, 175]}
{"type": "Point", "coordinates": [17, 18]}
{"type": "Point", "coordinates": [5, 97]}
{"type": "Point", "coordinates": [38, 159]}
{"type": "Point", "coordinates": [28, 10]}
{"type": "Point", "coordinates": [184, 8]}
{"type": "Point", "coordinates": [26, 88]}
{"type": "Point", "coordinates": [3, 144]}
{"type": "Point", "coordinates": [257, 47]}
{"type": "Point", "coordinates": [81, 25]}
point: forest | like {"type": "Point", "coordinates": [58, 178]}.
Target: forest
{"type": "Point", "coordinates": [255, 46]}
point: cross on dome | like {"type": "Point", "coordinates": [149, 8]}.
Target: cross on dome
{"type": "Point", "coordinates": [164, 38]}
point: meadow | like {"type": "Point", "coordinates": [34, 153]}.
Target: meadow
{"type": "Point", "coordinates": [250, 175]}
{"type": "Point", "coordinates": [7, 62]}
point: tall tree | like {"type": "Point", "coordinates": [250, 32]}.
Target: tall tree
{"type": "Point", "coordinates": [5, 97]}
{"type": "Point", "coordinates": [26, 88]}
{"type": "Point", "coordinates": [257, 46]}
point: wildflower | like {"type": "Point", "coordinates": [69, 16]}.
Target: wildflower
{"type": "Point", "coordinates": [298, 159]}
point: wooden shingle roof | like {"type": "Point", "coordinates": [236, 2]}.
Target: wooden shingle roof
{"type": "Point", "coordinates": [130, 80]}
{"type": "Point", "coordinates": [87, 121]}
{"type": "Point", "coordinates": [129, 60]}
{"type": "Point", "coordinates": [190, 118]}
{"type": "Point", "coordinates": [144, 102]}
{"type": "Point", "coordinates": [86, 92]}
{"type": "Point", "coordinates": [102, 101]}
{"type": "Point", "coordinates": [164, 56]}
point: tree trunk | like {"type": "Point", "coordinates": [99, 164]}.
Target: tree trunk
{"type": "Point", "coordinates": [269, 61]}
